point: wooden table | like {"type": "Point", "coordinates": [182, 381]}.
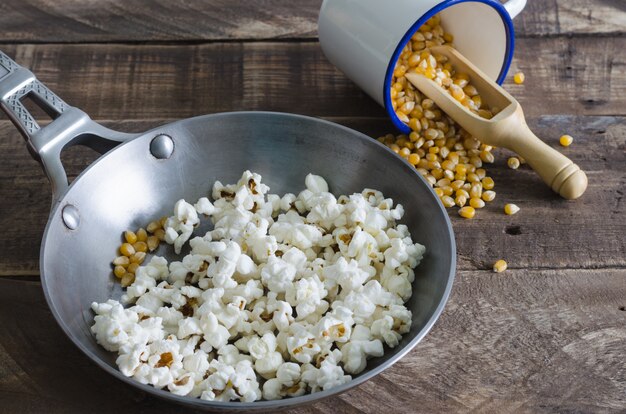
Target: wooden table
{"type": "Point", "coordinates": [548, 335]}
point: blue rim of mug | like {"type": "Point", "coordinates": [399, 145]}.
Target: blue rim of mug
{"type": "Point", "coordinates": [508, 55]}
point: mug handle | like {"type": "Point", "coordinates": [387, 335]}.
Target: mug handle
{"type": "Point", "coordinates": [69, 125]}
{"type": "Point", "coordinates": [514, 7]}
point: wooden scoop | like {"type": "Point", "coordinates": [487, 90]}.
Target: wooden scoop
{"type": "Point", "coordinates": [506, 129]}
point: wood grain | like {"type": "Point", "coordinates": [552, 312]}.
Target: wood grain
{"type": "Point", "coordinates": [215, 20]}
{"type": "Point", "coordinates": [582, 76]}
{"type": "Point", "coordinates": [524, 341]}
{"type": "Point", "coordinates": [548, 232]}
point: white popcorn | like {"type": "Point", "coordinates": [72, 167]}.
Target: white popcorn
{"type": "Point", "coordinates": [284, 296]}
{"type": "Point", "coordinates": [263, 350]}
{"type": "Point", "coordinates": [345, 273]}
{"type": "Point", "coordinates": [316, 184]}
{"type": "Point", "coordinates": [359, 348]}
{"type": "Point", "coordinates": [307, 296]}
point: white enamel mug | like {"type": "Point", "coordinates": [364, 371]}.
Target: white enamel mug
{"type": "Point", "coordinates": [363, 38]}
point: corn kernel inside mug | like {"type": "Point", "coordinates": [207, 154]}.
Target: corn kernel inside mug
{"type": "Point", "coordinates": [446, 155]}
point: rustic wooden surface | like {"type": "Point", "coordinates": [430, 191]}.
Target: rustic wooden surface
{"type": "Point", "coordinates": [549, 335]}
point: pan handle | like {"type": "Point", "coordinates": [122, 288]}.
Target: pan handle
{"type": "Point", "coordinates": [69, 126]}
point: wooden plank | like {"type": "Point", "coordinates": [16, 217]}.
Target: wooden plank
{"type": "Point", "coordinates": [548, 232]}
{"type": "Point", "coordinates": [162, 20]}
{"type": "Point", "coordinates": [524, 341]}
{"type": "Point", "coordinates": [571, 17]}
{"type": "Point", "coordinates": [41, 21]}
{"type": "Point", "coordinates": [580, 76]}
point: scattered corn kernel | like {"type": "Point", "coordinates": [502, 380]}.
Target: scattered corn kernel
{"type": "Point", "coordinates": [121, 261]}
{"type": "Point", "coordinates": [153, 243]}
{"type": "Point", "coordinates": [467, 212]}
{"type": "Point", "coordinates": [132, 268]}
{"type": "Point", "coordinates": [513, 163]}
{"type": "Point", "coordinates": [119, 271]}
{"type": "Point", "coordinates": [127, 279]}
{"type": "Point", "coordinates": [519, 78]}
{"type": "Point", "coordinates": [511, 209]}
{"type": "Point", "coordinates": [160, 234]}
{"type": "Point", "coordinates": [499, 266]}
{"type": "Point", "coordinates": [138, 257]}
{"type": "Point", "coordinates": [140, 247]}
{"type": "Point", "coordinates": [127, 249]}
{"type": "Point", "coordinates": [153, 226]}
{"type": "Point", "coordinates": [488, 195]}
{"type": "Point", "coordinates": [488, 183]}
{"type": "Point", "coordinates": [142, 235]}
{"type": "Point", "coordinates": [477, 203]}
{"type": "Point", "coordinates": [566, 140]}
{"type": "Point", "coordinates": [130, 236]}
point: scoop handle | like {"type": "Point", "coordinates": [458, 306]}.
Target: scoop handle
{"type": "Point", "coordinates": [556, 170]}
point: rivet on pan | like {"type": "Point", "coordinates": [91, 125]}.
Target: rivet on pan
{"type": "Point", "coordinates": [162, 147]}
{"type": "Point", "coordinates": [70, 216]}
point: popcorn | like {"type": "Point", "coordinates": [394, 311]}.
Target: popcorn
{"type": "Point", "coordinates": [307, 296]}
{"type": "Point", "coordinates": [359, 348]}
{"type": "Point", "coordinates": [282, 297]}
{"type": "Point", "coordinates": [263, 350]}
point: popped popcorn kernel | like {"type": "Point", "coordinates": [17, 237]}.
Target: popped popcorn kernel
{"type": "Point", "coordinates": [284, 296]}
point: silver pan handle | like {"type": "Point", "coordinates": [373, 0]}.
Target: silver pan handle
{"type": "Point", "coordinates": [69, 125]}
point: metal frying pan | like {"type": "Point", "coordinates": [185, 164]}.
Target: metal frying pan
{"type": "Point", "coordinates": [146, 173]}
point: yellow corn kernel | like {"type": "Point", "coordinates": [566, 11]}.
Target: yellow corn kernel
{"type": "Point", "coordinates": [140, 246]}
{"type": "Point", "coordinates": [395, 148]}
{"type": "Point", "coordinates": [160, 234]}
{"type": "Point", "coordinates": [488, 183]}
{"type": "Point", "coordinates": [487, 157]}
{"type": "Point", "coordinates": [132, 268]}
{"type": "Point", "coordinates": [404, 152]}
{"type": "Point", "coordinates": [513, 163]}
{"type": "Point", "coordinates": [138, 257]}
{"type": "Point", "coordinates": [121, 261]}
{"type": "Point", "coordinates": [499, 266]}
{"type": "Point", "coordinates": [456, 185]}
{"type": "Point", "coordinates": [127, 279]}
{"type": "Point", "coordinates": [448, 191]}
{"type": "Point", "coordinates": [462, 192]}
{"type": "Point", "coordinates": [439, 192]}
{"type": "Point", "coordinates": [476, 203]}
{"type": "Point", "coordinates": [153, 226]}
{"type": "Point", "coordinates": [488, 195]}
{"type": "Point", "coordinates": [414, 158]}
{"type": "Point", "coordinates": [566, 140]}
{"type": "Point", "coordinates": [457, 92]}
{"type": "Point", "coordinates": [437, 173]}
{"type": "Point", "coordinates": [510, 209]}
{"type": "Point", "coordinates": [481, 173]}
{"type": "Point", "coordinates": [460, 200]}
{"type": "Point", "coordinates": [152, 243]}
{"type": "Point", "coordinates": [519, 78]}
{"type": "Point", "coordinates": [127, 249]}
{"type": "Point", "coordinates": [119, 271]}
{"type": "Point", "coordinates": [142, 234]}
{"type": "Point", "coordinates": [476, 191]}
{"type": "Point", "coordinates": [415, 125]}
{"type": "Point", "coordinates": [130, 237]}
{"type": "Point", "coordinates": [448, 174]}
{"type": "Point", "coordinates": [447, 201]}
{"type": "Point", "coordinates": [473, 178]}
{"type": "Point", "coordinates": [447, 165]}
{"type": "Point", "coordinates": [467, 212]}
{"type": "Point", "coordinates": [476, 161]}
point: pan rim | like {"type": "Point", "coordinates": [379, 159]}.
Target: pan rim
{"type": "Point", "coordinates": [262, 404]}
